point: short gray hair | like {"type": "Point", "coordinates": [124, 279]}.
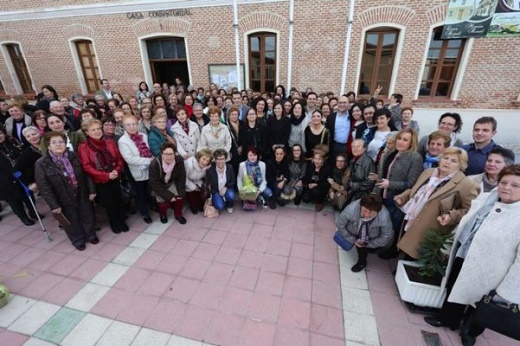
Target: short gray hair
{"type": "Point", "coordinates": [28, 129]}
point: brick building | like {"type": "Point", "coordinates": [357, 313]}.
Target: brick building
{"type": "Point", "coordinates": [71, 44]}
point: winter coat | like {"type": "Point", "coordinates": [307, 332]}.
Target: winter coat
{"type": "Point", "coordinates": [138, 165]}
{"type": "Point", "coordinates": [359, 184]}
{"type": "Point", "coordinates": [178, 177]}
{"type": "Point", "coordinates": [186, 144]}
{"type": "Point", "coordinates": [221, 141]}
{"type": "Point", "coordinates": [405, 171]}
{"type": "Point", "coordinates": [87, 157]}
{"type": "Point", "coordinates": [156, 139]}
{"type": "Point", "coordinates": [194, 174]}
{"type": "Point", "coordinates": [242, 171]}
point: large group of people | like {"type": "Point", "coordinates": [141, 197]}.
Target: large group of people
{"type": "Point", "coordinates": [178, 145]}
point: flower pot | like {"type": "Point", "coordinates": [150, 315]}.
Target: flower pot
{"type": "Point", "coordinates": [418, 293]}
{"type": "Point", "coordinates": [4, 296]}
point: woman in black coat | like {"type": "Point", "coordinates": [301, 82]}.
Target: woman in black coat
{"type": "Point", "coordinates": [277, 175]}
{"type": "Point", "coordinates": [315, 182]}
{"type": "Point", "coordinates": [221, 177]}
{"type": "Point", "coordinates": [254, 134]}
{"type": "Point", "coordinates": [278, 128]}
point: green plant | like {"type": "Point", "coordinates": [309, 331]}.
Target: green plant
{"type": "Point", "coordinates": [432, 253]}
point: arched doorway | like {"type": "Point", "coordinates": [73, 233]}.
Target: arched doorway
{"type": "Point", "coordinates": [167, 57]}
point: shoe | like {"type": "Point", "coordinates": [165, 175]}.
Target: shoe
{"type": "Point", "coordinates": [467, 340]}
{"type": "Point", "coordinates": [297, 200]}
{"type": "Point", "coordinates": [97, 227]}
{"type": "Point", "coordinates": [80, 247]}
{"type": "Point", "coordinates": [95, 241]}
{"type": "Point", "coordinates": [433, 321]}
{"type": "Point", "coordinates": [125, 227]}
{"type": "Point", "coordinates": [27, 222]}
{"type": "Point", "coordinates": [194, 212]}
{"type": "Point", "coordinates": [181, 219]}
{"type": "Point", "coordinates": [229, 210]}
{"type": "Point", "coordinates": [116, 231]}
{"type": "Point", "coordinates": [358, 267]}
{"type": "Point", "coordinates": [35, 217]}
{"type": "Point", "coordinates": [388, 254]}
{"type": "Point", "coordinates": [147, 219]}
{"type": "Point", "coordinates": [318, 207]}
{"type": "Point", "coordinates": [164, 218]}
{"type": "Point", "coordinates": [272, 204]}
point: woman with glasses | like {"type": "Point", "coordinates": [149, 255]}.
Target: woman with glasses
{"type": "Point", "coordinates": [39, 121]}
{"type": "Point", "coordinates": [221, 178]}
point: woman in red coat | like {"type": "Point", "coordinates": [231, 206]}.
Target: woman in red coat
{"type": "Point", "coordinates": [101, 160]}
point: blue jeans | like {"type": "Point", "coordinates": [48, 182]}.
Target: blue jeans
{"type": "Point", "coordinates": [227, 201]}
{"type": "Point", "coordinates": [267, 193]}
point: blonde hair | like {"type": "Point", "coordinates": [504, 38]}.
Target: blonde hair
{"type": "Point", "coordinates": [414, 142]}
{"type": "Point", "coordinates": [461, 153]}
{"type": "Point", "coordinates": [87, 123]}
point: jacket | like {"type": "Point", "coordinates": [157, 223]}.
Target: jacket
{"type": "Point", "coordinates": [186, 143]}
{"type": "Point", "coordinates": [178, 177]}
{"type": "Point", "coordinates": [453, 198]}
{"type": "Point", "coordinates": [221, 141]}
{"type": "Point", "coordinates": [414, 125]}
{"type": "Point", "coordinates": [138, 165]}
{"type": "Point", "coordinates": [278, 131]}
{"type": "Point", "coordinates": [9, 128]}
{"type": "Point", "coordinates": [55, 187]}
{"type": "Point", "coordinates": [277, 171]}
{"type": "Point", "coordinates": [25, 164]}
{"type": "Point", "coordinates": [359, 184]}
{"type": "Point", "coordinates": [405, 170]}
{"type": "Point", "coordinates": [255, 137]}
{"type": "Point", "coordinates": [380, 231]}
{"type": "Point", "coordinates": [212, 178]}
{"type": "Point", "coordinates": [156, 139]}
{"type": "Point", "coordinates": [194, 174]}
{"type": "Point", "coordinates": [87, 157]}
{"type": "Point", "coordinates": [324, 173]}
{"type": "Point", "coordinates": [242, 171]}
{"type": "Point", "coordinates": [75, 139]}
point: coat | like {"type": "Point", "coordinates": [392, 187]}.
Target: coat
{"type": "Point", "coordinates": [405, 171]}
{"type": "Point", "coordinates": [359, 184]}
{"type": "Point", "coordinates": [453, 198]}
{"type": "Point", "coordinates": [221, 141]}
{"type": "Point", "coordinates": [493, 259]}
{"type": "Point", "coordinates": [55, 187]}
{"type": "Point", "coordinates": [25, 164]}
{"type": "Point", "coordinates": [242, 171]}
{"type": "Point", "coordinates": [212, 178]}
{"type": "Point", "coordinates": [10, 128]}
{"type": "Point", "coordinates": [186, 143]}
{"type": "Point", "coordinates": [255, 137]}
{"type": "Point", "coordinates": [278, 131]}
{"type": "Point", "coordinates": [194, 174]}
{"type": "Point", "coordinates": [178, 177]}
{"type": "Point", "coordinates": [380, 231]}
{"type": "Point", "coordinates": [87, 157]}
{"type": "Point", "coordinates": [156, 139]}
{"type": "Point", "coordinates": [137, 165]}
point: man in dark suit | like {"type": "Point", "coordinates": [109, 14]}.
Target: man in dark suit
{"type": "Point", "coordinates": [237, 102]}
{"type": "Point", "coordinates": [339, 126]}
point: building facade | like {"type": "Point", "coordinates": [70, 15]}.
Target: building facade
{"type": "Point", "coordinates": [393, 43]}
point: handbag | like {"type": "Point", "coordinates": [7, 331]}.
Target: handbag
{"type": "Point", "coordinates": [209, 210]}
{"type": "Point", "coordinates": [342, 242]}
{"type": "Point", "coordinates": [172, 188]}
{"type": "Point", "coordinates": [503, 318]}
{"type": "Point", "coordinates": [249, 205]}
{"type": "Point", "coordinates": [205, 191]}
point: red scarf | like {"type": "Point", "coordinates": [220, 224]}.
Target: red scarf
{"type": "Point", "coordinates": [141, 145]}
{"type": "Point", "coordinates": [104, 158]}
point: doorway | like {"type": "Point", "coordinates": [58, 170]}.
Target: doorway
{"type": "Point", "coordinates": [167, 57]}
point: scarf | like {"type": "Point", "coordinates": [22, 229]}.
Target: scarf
{"type": "Point", "coordinates": [185, 126]}
{"type": "Point", "coordinates": [144, 151]}
{"type": "Point", "coordinates": [253, 169]}
{"type": "Point", "coordinates": [66, 167]}
{"type": "Point", "coordinates": [167, 168]}
{"type": "Point", "coordinates": [337, 174]}
{"type": "Point", "coordinates": [297, 121]}
{"type": "Point", "coordinates": [103, 158]}
{"type": "Point", "coordinates": [363, 235]}
{"type": "Point", "coordinates": [430, 161]}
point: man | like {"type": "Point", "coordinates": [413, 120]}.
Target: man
{"type": "Point", "coordinates": [17, 121]}
{"type": "Point", "coordinates": [395, 107]}
{"type": "Point", "coordinates": [366, 224]}
{"type": "Point", "coordinates": [105, 90]}
{"type": "Point", "coordinates": [351, 98]}
{"type": "Point", "coordinates": [157, 90]}
{"type": "Point", "coordinates": [311, 106]}
{"type": "Point", "coordinates": [484, 130]}
{"type": "Point", "coordinates": [338, 124]}
{"type": "Point", "coordinates": [437, 142]}
{"type": "Point", "coordinates": [450, 123]}
{"type": "Point", "coordinates": [237, 102]}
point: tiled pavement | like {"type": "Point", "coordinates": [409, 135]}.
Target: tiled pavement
{"type": "Point", "coordinates": [258, 278]}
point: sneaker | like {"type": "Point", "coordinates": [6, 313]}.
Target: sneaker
{"type": "Point", "coordinates": [358, 267]}
{"type": "Point", "coordinates": [229, 210]}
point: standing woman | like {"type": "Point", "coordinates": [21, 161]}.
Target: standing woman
{"type": "Point", "coordinates": [236, 128]}
{"type": "Point", "coordinates": [376, 136]}
{"type": "Point", "coordinates": [297, 135]}
{"type": "Point", "coordinates": [136, 153]}
{"type": "Point", "coordinates": [159, 133]}
{"type": "Point", "coordinates": [188, 104]}
{"type": "Point", "coordinates": [57, 124]}
{"type": "Point", "coordinates": [143, 92]}
{"type": "Point", "coordinates": [315, 182]}
{"type": "Point", "coordinates": [186, 134]}
{"type": "Point", "coordinates": [278, 128]}
{"type": "Point", "coordinates": [356, 119]}
{"type": "Point", "coordinates": [145, 123]}
{"type": "Point", "coordinates": [287, 107]}
{"type": "Point", "coordinates": [254, 134]}
{"type": "Point", "coordinates": [168, 182]}
{"type": "Point", "coordinates": [198, 116]}
{"type": "Point", "coordinates": [316, 134]}
{"type": "Point", "coordinates": [67, 189]}
{"type": "Point", "coordinates": [297, 171]}
{"type": "Point", "coordinates": [261, 108]}
{"type": "Point", "coordinates": [101, 160]}
{"type": "Point", "coordinates": [215, 135]}
{"type": "Point", "coordinates": [196, 168]}
{"type": "Point", "coordinates": [45, 98]}
{"type": "Point", "coordinates": [277, 175]}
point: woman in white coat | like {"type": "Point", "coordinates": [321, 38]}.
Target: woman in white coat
{"type": "Point", "coordinates": [196, 168]}
{"type": "Point", "coordinates": [215, 135]}
{"type": "Point", "coordinates": [186, 134]}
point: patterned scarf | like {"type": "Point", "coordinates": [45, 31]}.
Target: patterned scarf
{"type": "Point", "coordinates": [253, 169]}
{"type": "Point", "coordinates": [104, 159]}
{"type": "Point", "coordinates": [144, 151]}
{"type": "Point", "coordinates": [185, 126]}
{"type": "Point", "coordinates": [66, 167]}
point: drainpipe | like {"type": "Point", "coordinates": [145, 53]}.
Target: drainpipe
{"type": "Point", "coordinates": [290, 50]}
{"type": "Point", "coordinates": [347, 46]}
{"type": "Point", "coordinates": [237, 43]}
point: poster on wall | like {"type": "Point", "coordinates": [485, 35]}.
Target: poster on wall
{"type": "Point", "coordinates": [506, 20]}
{"type": "Point", "coordinates": [468, 18]}
{"type": "Point", "coordinates": [225, 76]}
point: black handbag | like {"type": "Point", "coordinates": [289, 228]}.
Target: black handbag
{"type": "Point", "coordinates": [503, 318]}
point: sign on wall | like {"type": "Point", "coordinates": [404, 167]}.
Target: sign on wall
{"type": "Point", "coordinates": [225, 76]}
{"type": "Point", "coordinates": [506, 20]}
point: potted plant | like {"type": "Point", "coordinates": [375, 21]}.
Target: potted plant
{"type": "Point", "coordinates": [4, 296]}
{"type": "Point", "coordinates": [423, 283]}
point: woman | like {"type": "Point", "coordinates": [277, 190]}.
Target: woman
{"type": "Point", "coordinates": [186, 134]}
{"type": "Point", "coordinates": [277, 176]}
{"type": "Point", "coordinates": [356, 119]}
{"type": "Point", "coordinates": [102, 162]}
{"type": "Point", "coordinates": [67, 190]}
{"type": "Point", "coordinates": [57, 124]}
{"type": "Point", "coordinates": [47, 95]}
{"type": "Point", "coordinates": [406, 120]}
{"type": "Point", "coordinates": [39, 121]}
{"type": "Point", "coordinates": [440, 194]}
{"type": "Point", "coordinates": [173, 107]}
{"type": "Point", "coordinates": [450, 123]}
{"type": "Point", "coordinates": [236, 128]}
{"type": "Point", "coordinates": [168, 182]}
{"type": "Point", "coordinates": [315, 182]}
{"type": "Point", "coordinates": [188, 104]}
{"type": "Point", "coordinates": [261, 108]}
{"type": "Point", "coordinates": [256, 171]}
{"type": "Point", "coordinates": [127, 108]}
{"type": "Point", "coordinates": [159, 101]}
{"type": "Point", "coordinates": [215, 135]}
{"type": "Point", "coordinates": [221, 178]}
{"type": "Point", "coordinates": [297, 170]}
{"type": "Point", "coordinates": [287, 107]}
{"type": "Point", "coordinates": [159, 133]}
{"type": "Point", "coordinates": [399, 171]}
{"type": "Point", "coordinates": [145, 123]}
{"type": "Point", "coordinates": [361, 166]}
{"type": "Point", "coordinates": [376, 135]}
{"type": "Point", "coordinates": [438, 141]}
{"type": "Point", "coordinates": [497, 159]}
{"type": "Point", "coordinates": [109, 129]}
{"type": "Point", "coordinates": [338, 180]}
{"type": "Point", "coordinates": [278, 128]}
{"type": "Point", "coordinates": [297, 135]}
{"type": "Point", "coordinates": [254, 134]}
{"type": "Point", "coordinates": [196, 168]}
{"type": "Point", "coordinates": [316, 134]}
{"type": "Point", "coordinates": [134, 149]}
{"type": "Point", "coordinates": [325, 111]}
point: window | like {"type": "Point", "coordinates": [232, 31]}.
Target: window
{"type": "Point", "coordinates": [262, 61]}
{"type": "Point", "coordinates": [20, 67]}
{"type": "Point", "coordinates": [441, 65]}
{"type": "Point", "coordinates": [167, 59]}
{"type": "Point", "coordinates": [377, 63]}
{"type": "Point", "coordinates": [88, 62]}
{"type": "Point", "coordinates": [166, 49]}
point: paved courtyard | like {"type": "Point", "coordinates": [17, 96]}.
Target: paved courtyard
{"type": "Point", "coordinates": [270, 277]}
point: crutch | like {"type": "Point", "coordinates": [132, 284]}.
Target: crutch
{"type": "Point", "coordinates": [28, 192]}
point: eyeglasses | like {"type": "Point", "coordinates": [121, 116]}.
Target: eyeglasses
{"type": "Point", "coordinates": [131, 124]}
{"type": "Point", "coordinates": [340, 161]}
{"type": "Point", "coordinates": [56, 142]}
{"type": "Point", "coordinates": [447, 124]}
{"type": "Point", "coordinates": [220, 159]}
{"type": "Point", "coordinates": [109, 124]}
{"type": "Point", "coordinates": [168, 154]}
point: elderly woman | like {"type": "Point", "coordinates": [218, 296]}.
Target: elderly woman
{"type": "Point", "coordinates": [101, 160]}
{"type": "Point", "coordinates": [361, 166]}
{"type": "Point", "coordinates": [159, 133]}
{"type": "Point", "coordinates": [29, 156]}
{"type": "Point", "coordinates": [221, 178]}
{"type": "Point", "coordinates": [487, 249]}
{"type": "Point", "coordinates": [497, 159]}
{"type": "Point", "coordinates": [438, 141]}
{"type": "Point", "coordinates": [256, 171]}
{"type": "Point", "coordinates": [134, 149]}
{"type": "Point", "coordinates": [67, 189]}
{"type": "Point", "coordinates": [196, 168]}
{"type": "Point", "coordinates": [168, 182]}
{"type": "Point", "coordinates": [340, 175]}
{"type": "Point", "coordinates": [438, 200]}
{"type": "Point", "coordinates": [277, 175]}
{"type": "Point", "coordinates": [315, 182]}
{"type": "Point", "coordinates": [215, 135]}
{"type": "Point", "coordinates": [186, 134]}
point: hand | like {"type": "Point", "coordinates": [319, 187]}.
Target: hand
{"type": "Point", "coordinates": [56, 211]}
{"type": "Point", "coordinates": [330, 180]}
{"type": "Point", "coordinates": [312, 185]}
{"type": "Point", "coordinates": [280, 184]}
{"type": "Point", "coordinates": [91, 197]}
{"type": "Point", "coordinates": [113, 175]}
{"type": "Point", "coordinates": [173, 199]}
{"type": "Point", "coordinates": [223, 191]}
{"type": "Point", "coordinates": [444, 219]}
{"type": "Point", "coordinates": [33, 187]}
{"type": "Point", "coordinates": [378, 89]}
{"type": "Point", "coordinates": [373, 176]}
{"type": "Point", "coordinates": [185, 156]}
{"type": "Point", "coordinates": [398, 201]}
{"type": "Point", "coordinates": [383, 183]}
{"type": "Point", "coordinates": [299, 183]}
{"type": "Point", "coordinates": [359, 244]}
